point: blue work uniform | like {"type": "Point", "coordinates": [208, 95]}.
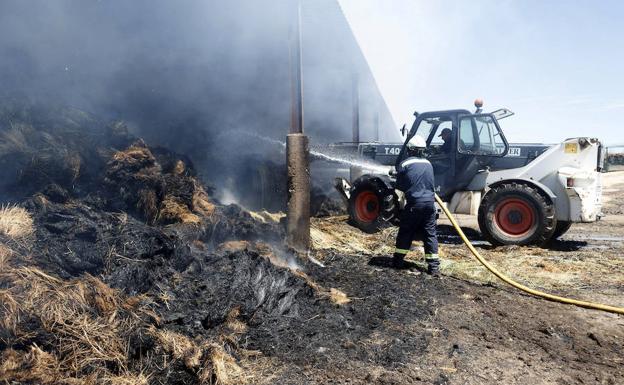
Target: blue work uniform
{"type": "Point", "coordinates": [418, 219]}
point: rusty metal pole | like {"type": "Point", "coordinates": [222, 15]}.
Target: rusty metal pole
{"type": "Point", "coordinates": [298, 216]}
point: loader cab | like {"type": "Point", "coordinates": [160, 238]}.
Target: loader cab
{"type": "Point", "coordinates": [459, 145]}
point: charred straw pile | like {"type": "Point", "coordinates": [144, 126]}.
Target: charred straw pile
{"type": "Point", "coordinates": [117, 266]}
{"type": "Point", "coordinates": [80, 331]}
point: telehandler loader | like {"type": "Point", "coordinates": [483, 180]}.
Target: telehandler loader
{"type": "Point", "coordinates": [522, 193]}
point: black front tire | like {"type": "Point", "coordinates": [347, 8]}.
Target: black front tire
{"type": "Point", "coordinates": [517, 214]}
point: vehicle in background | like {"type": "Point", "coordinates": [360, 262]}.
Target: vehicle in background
{"type": "Point", "coordinates": [522, 193]}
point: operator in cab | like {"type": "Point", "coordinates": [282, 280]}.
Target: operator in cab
{"type": "Point", "coordinates": [415, 179]}
{"type": "Point", "coordinates": [446, 136]}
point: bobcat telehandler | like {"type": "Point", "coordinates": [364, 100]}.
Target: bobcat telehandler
{"type": "Point", "coordinates": [522, 193]}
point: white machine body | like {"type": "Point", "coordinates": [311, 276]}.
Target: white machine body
{"type": "Point", "coordinates": [568, 172]}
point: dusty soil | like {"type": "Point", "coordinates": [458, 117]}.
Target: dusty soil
{"type": "Point", "coordinates": [129, 247]}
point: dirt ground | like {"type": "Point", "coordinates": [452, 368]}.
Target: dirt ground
{"type": "Point", "coordinates": [467, 328]}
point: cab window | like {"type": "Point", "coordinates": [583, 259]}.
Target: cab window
{"type": "Point", "coordinates": [480, 135]}
{"type": "Point", "coordinates": [430, 129]}
{"type": "Point", "coordinates": [466, 136]}
{"type": "Point", "coordinates": [424, 128]}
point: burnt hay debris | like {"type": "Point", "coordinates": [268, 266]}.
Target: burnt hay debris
{"type": "Point", "coordinates": [118, 267]}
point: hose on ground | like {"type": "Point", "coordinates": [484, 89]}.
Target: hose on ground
{"type": "Point", "coordinates": [504, 278]}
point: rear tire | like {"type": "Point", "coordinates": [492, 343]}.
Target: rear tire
{"type": "Point", "coordinates": [562, 228]}
{"type": "Point", "coordinates": [372, 204]}
{"type": "Point", "coordinates": [517, 214]}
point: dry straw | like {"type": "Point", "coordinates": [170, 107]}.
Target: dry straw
{"type": "Point", "coordinates": [83, 324]}
{"type": "Point", "coordinates": [85, 328]}
{"type": "Point", "coordinates": [15, 222]}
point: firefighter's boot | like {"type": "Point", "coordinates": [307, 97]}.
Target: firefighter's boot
{"type": "Point", "coordinates": [433, 265]}
{"type": "Point", "coordinates": [398, 261]}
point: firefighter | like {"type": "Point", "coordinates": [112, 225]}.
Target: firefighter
{"type": "Point", "coordinates": [415, 179]}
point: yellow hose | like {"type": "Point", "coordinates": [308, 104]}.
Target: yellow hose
{"type": "Point", "coordinates": [492, 269]}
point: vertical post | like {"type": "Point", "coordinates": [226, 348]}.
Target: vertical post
{"type": "Point", "coordinates": [296, 78]}
{"type": "Point", "coordinates": [377, 117]}
{"type": "Point", "coordinates": [355, 97]}
{"type": "Point", "coordinates": [298, 216]}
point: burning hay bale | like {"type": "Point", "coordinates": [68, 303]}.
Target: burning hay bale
{"type": "Point", "coordinates": [169, 305]}
{"type": "Point", "coordinates": [64, 154]}
{"type": "Point", "coordinates": [103, 170]}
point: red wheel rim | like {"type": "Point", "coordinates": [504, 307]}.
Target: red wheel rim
{"type": "Point", "coordinates": [515, 216]}
{"type": "Point", "coordinates": [367, 206]}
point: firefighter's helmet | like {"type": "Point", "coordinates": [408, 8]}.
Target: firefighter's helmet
{"type": "Point", "coordinates": [417, 142]}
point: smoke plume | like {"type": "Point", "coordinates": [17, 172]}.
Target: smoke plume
{"type": "Point", "coordinates": [195, 76]}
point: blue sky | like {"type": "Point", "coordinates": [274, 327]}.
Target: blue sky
{"type": "Point", "coordinates": [559, 65]}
